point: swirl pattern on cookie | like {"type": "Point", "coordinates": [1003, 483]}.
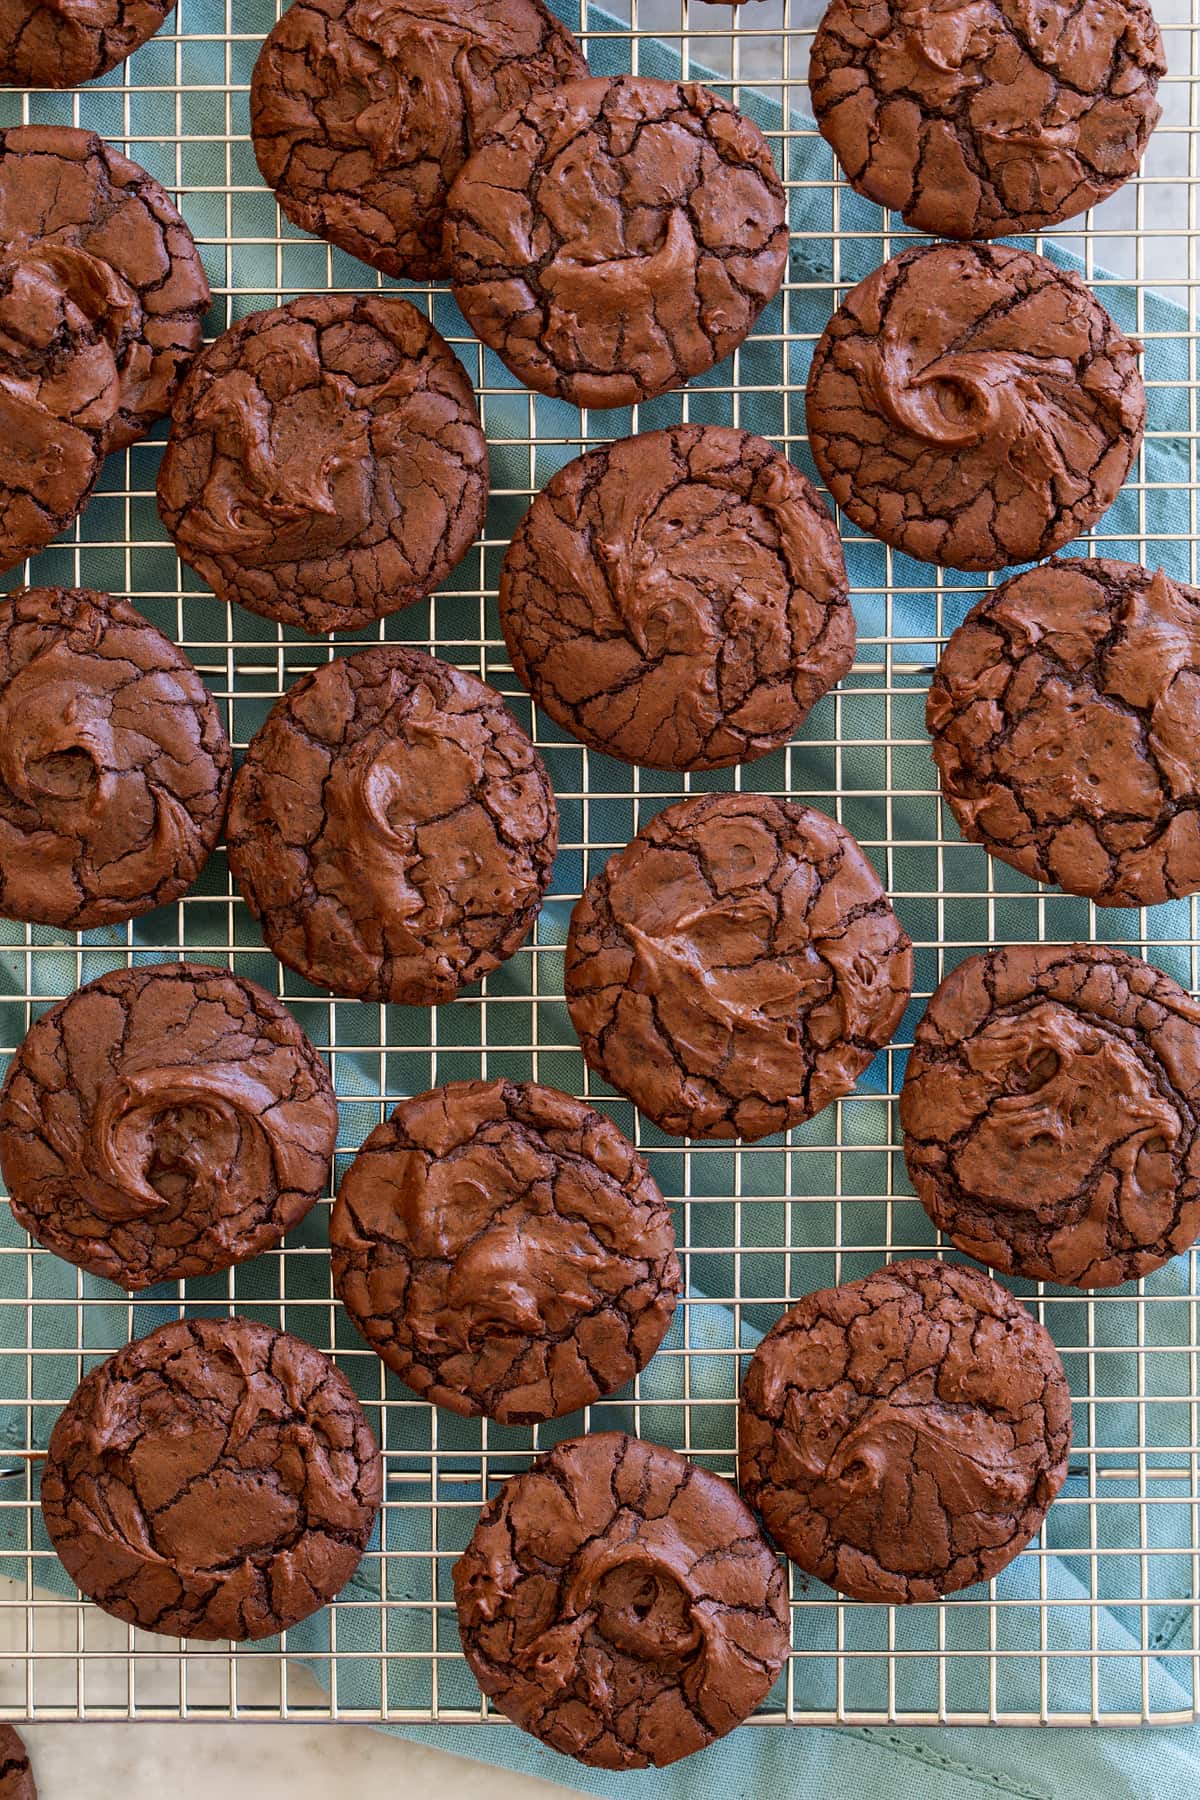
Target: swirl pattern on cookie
{"type": "Point", "coordinates": [974, 406]}
{"type": "Point", "coordinates": [165, 1121]}
{"type": "Point", "coordinates": [392, 828]}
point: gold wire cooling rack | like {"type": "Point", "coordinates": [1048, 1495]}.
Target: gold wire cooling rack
{"type": "Point", "coordinates": [1097, 1620]}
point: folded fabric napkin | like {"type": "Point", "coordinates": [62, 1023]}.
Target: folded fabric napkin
{"type": "Point", "coordinates": [1075, 1619]}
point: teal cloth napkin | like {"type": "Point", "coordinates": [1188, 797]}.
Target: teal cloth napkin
{"type": "Point", "coordinates": [1087, 1625]}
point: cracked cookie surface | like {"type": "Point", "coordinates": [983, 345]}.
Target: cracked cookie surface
{"type": "Point", "coordinates": [904, 1435]}
{"type": "Point", "coordinates": [103, 238]}
{"type": "Point", "coordinates": [63, 43]}
{"type": "Point", "coordinates": [114, 764]}
{"type": "Point", "coordinates": [987, 117]}
{"type": "Point", "coordinates": [392, 828]}
{"type": "Point", "coordinates": [611, 239]}
{"type": "Point", "coordinates": [974, 406]}
{"type": "Point", "coordinates": [216, 1479]}
{"type": "Point", "coordinates": [1051, 1113]}
{"type": "Point", "coordinates": [736, 967]}
{"type": "Point", "coordinates": [326, 464]}
{"type": "Point", "coordinates": [1064, 714]}
{"type": "Point", "coordinates": [621, 1604]}
{"type": "Point", "coordinates": [165, 1121]}
{"type": "Point", "coordinates": [678, 599]}
{"type": "Point", "coordinates": [16, 1776]}
{"type": "Point", "coordinates": [362, 112]}
{"type": "Point", "coordinates": [503, 1248]}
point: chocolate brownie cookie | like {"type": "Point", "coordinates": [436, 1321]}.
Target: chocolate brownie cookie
{"type": "Point", "coordinates": [106, 240]}
{"type": "Point", "coordinates": [974, 406]}
{"type": "Point", "coordinates": [392, 828]}
{"type": "Point", "coordinates": [504, 1249]}
{"type": "Point", "coordinates": [16, 1777]}
{"type": "Point", "coordinates": [996, 116]}
{"type": "Point", "coordinates": [362, 113]}
{"type": "Point", "coordinates": [678, 599]}
{"type": "Point", "coordinates": [63, 43]}
{"type": "Point", "coordinates": [904, 1435]}
{"type": "Point", "coordinates": [1051, 1113]}
{"type": "Point", "coordinates": [613, 238]}
{"type": "Point", "coordinates": [1065, 717]}
{"type": "Point", "coordinates": [621, 1604]}
{"type": "Point", "coordinates": [114, 764]}
{"type": "Point", "coordinates": [165, 1121]}
{"type": "Point", "coordinates": [736, 967]}
{"type": "Point", "coordinates": [216, 1479]}
{"type": "Point", "coordinates": [326, 464]}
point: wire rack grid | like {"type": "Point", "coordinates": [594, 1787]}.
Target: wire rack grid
{"type": "Point", "coordinates": [1097, 1620]}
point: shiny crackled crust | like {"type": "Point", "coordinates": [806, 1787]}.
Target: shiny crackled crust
{"type": "Point", "coordinates": [63, 43]}
{"type": "Point", "coordinates": [611, 239]}
{"type": "Point", "coordinates": [326, 464]}
{"type": "Point", "coordinates": [1064, 714]}
{"type": "Point", "coordinates": [1051, 1113]}
{"type": "Point", "coordinates": [504, 1249]}
{"type": "Point", "coordinates": [362, 113]}
{"type": "Point", "coordinates": [621, 1604]}
{"type": "Point", "coordinates": [16, 1776]}
{"type": "Point", "coordinates": [678, 599]}
{"type": "Point", "coordinates": [392, 828]}
{"type": "Point", "coordinates": [216, 1479]}
{"type": "Point", "coordinates": [736, 967]}
{"type": "Point", "coordinates": [903, 1436]}
{"type": "Point", "coordinates": [974, 406]}
{"type": "Point", "coordinates": [164, 1122]}
{"type": "Point", "coordinates": [983, 117]}
{"type": "Point", "coordinates": [107, 238]}
{"type": "Point", "coordinates": [114, 764]}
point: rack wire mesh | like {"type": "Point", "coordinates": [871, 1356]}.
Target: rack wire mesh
{"type": "Point", "coordinates": [1097, 1620]}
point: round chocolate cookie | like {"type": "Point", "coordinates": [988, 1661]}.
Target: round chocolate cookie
{"type": "Point", "coordinates": [16, 1777]}
{"type": "Point", "coordinates": [736, 967]}
{"type": "Point", "coordinates": [1065, 718]}
{"type": "Point", "coordinates": [613, 238]}
{"type": "Point", "coordinates": [216, 1479]}
{"type": "Point", "coordinates": [504, 1249]}
{"type": "Point", "coordinates": [114, 764]}
{"type": "Point", "coordinates": [1051, 1113]}
{"type": "Point", "coordinates": [165, 1121]}
{"type": "Point", "coordinates": [103, 238]}
{"type": "Point", "coordinates": [63, 43]}
{"type": "Point", "coordinates": [326, 464]}
{"type": "Point", "coordinates": [621, 1604]}
{"type": "Point", "coordinates": [392, 828]}
{"type": "Point", "coordinates": [977, 120]}
{"type": "Point", "coordinates": [678, 599]}
{"type": "Point", "coordinates": [974, 406]}
{"type": "Point", "coordinates": [904, 1435]}
{"type": "Point", "coordinates": [362, 113]}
